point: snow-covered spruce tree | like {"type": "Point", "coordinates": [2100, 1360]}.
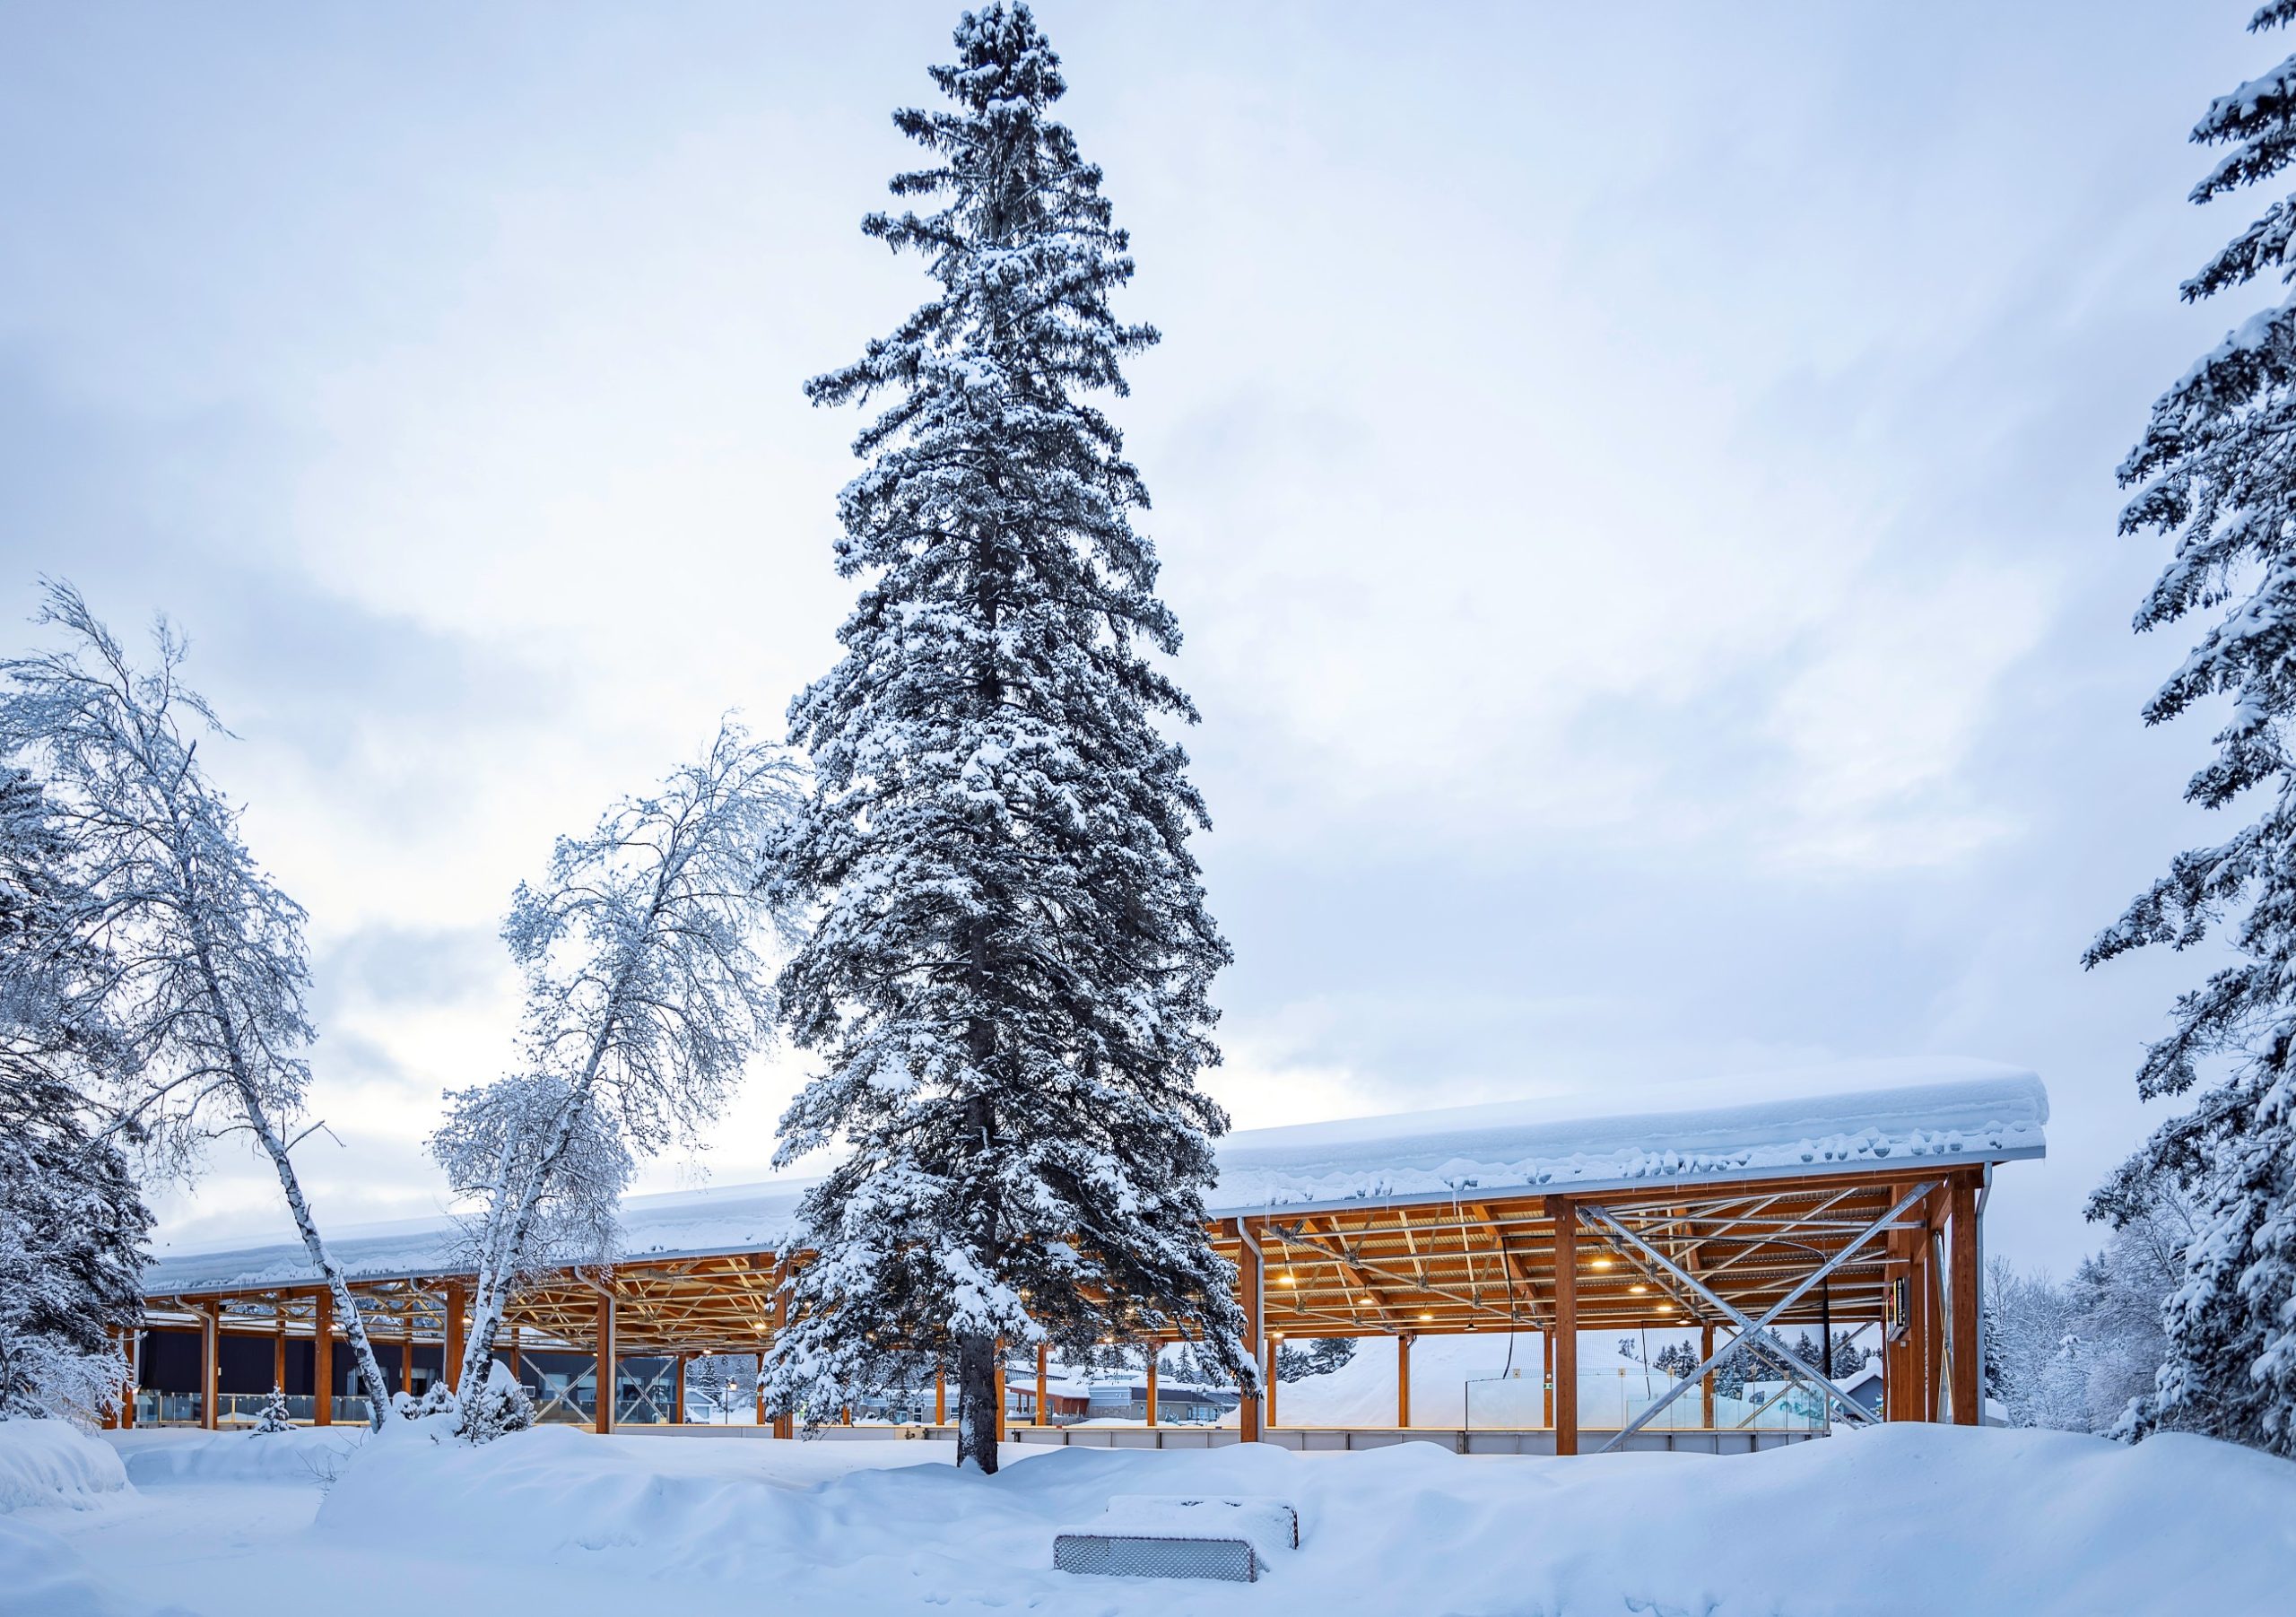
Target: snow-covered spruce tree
{"type": "Point", "coordinates": [646, 996]}
{"type": "Point", "coordinates": [1009, 973]}
{"type": "Point", "coordinates": [2216, 471]}
{"type": "Point", "coordinates": [205, 991]}
{"type": "Point", "coordinates": [73, 1223]}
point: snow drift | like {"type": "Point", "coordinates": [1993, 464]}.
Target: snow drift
{"type": "Point", "coordinates": [55, 1462]}
{"type": "Point", "coordinates": [1900, 1519]}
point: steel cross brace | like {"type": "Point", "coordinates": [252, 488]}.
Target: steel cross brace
{"type": "Point", "coordinates": [1603, 1224]}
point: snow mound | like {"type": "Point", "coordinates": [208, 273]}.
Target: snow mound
{"type": "Point", "coordinates": [1899, 1519]}
{"type": "Point", "coordinates": [55, 1462]}
{"type": "Point", "coordinates": [305, 1457]}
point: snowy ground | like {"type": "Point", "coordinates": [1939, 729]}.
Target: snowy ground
{"type": "Point", "coordinates": [1907, 1519]}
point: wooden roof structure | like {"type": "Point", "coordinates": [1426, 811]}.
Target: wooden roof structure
{"type": "Point", "coordinates": [1699, 1220]}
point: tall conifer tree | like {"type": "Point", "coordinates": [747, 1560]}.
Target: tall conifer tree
{"type": "Point", "coordinates": [1009, 975]}
{"type": "Point", "coordinates": [2216, 471]}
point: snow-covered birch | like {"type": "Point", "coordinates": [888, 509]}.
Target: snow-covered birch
{"type": "Point", "coordinates": [207, 973]}
{"type": "Point", "coordinates": [647, 995]}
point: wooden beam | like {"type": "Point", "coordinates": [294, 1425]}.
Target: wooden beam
{"type": "Point", "coordinates": [323, 1357]}
{"type": "Point", "coordinates": [1402, 1381]}
{"type": "Point", "coordinates": [1566, 1326]}
{"type": "Point", "coordinates": [1966, 1409]}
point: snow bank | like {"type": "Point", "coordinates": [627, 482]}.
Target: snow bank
{"type": "Point", "coordinates": [1900, 1519]}
{"type": "Point", "coordinates": [305, 1457]}
{"type": "Point", "coordinates": [1928, 1112]}
{"type": "Point", "coordinates": [54, 1462]}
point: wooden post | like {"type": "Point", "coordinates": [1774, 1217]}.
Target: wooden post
{"type": "Point", "coordinates": [279, 1348]}
{"type": "Point", "coordinates": [1044, 1355]}
{"type": "Point", "coordinates": [133, 1343]}
{"type": "Point", "coordinates": [1000, 1392]}
{"type": "Point", "coordinates": [1249, 1280]}
{"type": "Point", "coordinates": [517, 1369]}
{"type": "Point", "coordinates": [761, 1391]}
{"type": "Point", "coordinates": [1706, 1388]}
{"type": "Point", "coordinates": [603, 1422]}
{"type": "Point", "coordinates": [1268, 1365]}
{"type": "Point", "coordinates": [940, 1399]}
{"type": "Point", "coordinates": [1152, 1367]}
{"type": "Point", "coordinates": [677, 1393]}
{"type": "Point", "coordinates": [1923, 1332]}
{"type": "Point", "coordinates": [1566, 1324]}
{"type": "Point", "coordinates": [406, 1356]}
{"type": "Point", "coordinates": [1546, 1377]}
{"type": "Point", "coordinates": [111, 1421]}
{"type": "Point", "coordinates": [457, 1299]}
{"type": "Point", "coordinates": [785, 1424]}
{"type": "Point", "coordinates": [209, 1325]}
{"type": "Point", "coordinates": [1402, 1382]}
{"type": "Point", "coordinates": [1966, 1409]}
{"type": "Point", "coordinates": [323, 1357]}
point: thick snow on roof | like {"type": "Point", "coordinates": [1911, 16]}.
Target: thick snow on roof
{"type": "Point", "coordinates": [1924, 1113]}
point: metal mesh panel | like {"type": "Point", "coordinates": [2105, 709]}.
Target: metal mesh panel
{"type": "Point", "coordinates": [1230, 1560]}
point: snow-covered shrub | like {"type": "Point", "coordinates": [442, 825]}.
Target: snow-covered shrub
{"type": "Point", "coordinates": [496, 1406]}
{"type": "Point", "coordinates": [273, 1417]}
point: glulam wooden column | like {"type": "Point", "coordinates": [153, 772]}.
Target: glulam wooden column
{"type": "Point", "coordinates": [1962, 1252]}
{"type": "Point", "coordinates": [1566, 1324]}
{"type": "Point", "coordinates": [785, 1424]}
{"type": "Point", "coordinates": [1402, 1381]}
{"type": "Point", "coordinates": [1706, 1386]}
{"type": "Point", "coordinates": [323, 1357]}
{"type": "Point", "coordinates": [209, 1327]}
{"type": "Point", "coordinates": [458, 1300]}
{"type": "Point", "coordinates": [604, 1349]}
{"type": "Point", "coordinates": [1250, 1283]}
{"type": "Point", "coordinates": [1044, 1384]}
{"type": "Point", "coordinates": [1152, 1356]}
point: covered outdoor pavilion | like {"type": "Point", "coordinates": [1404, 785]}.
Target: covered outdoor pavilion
{"type": "Point", "coordinates": [1861, 1203]}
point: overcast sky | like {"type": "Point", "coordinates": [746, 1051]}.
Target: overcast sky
{"type": "Point", "coordinates": [1637, 482]}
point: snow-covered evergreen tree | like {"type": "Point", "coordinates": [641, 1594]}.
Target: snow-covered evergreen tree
{"type": "Point", "coordinates": [646, 996]}
{"type": "Point", "coordinates": [272, 1417]}
{"type": "Point", "coordinates": [73, 1223]}
{"type": "Point", "coordinates": [1298, 1360]}
{"type": "Point", "coordinates": [206, 985]}
{"type": "Point", "coordinates": [2216, 471]}
{"type": "Point", "coordinates": [1010, 972]}
{"type": "Point", "coordinates": [2083, 1355]}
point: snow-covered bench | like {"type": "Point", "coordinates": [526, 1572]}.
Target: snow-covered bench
{"type": "Point", "coordinates": [1173, 1536]}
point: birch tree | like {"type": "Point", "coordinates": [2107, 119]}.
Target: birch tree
{"type": "Point", "coordinates": [207, 972]}
{"type": "Point", "coordinates": [647, 995]}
